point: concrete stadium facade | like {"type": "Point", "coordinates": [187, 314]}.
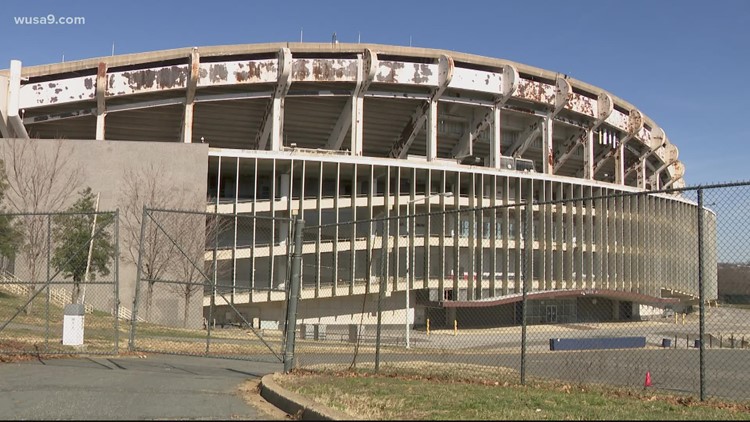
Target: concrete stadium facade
{"type": "Point", "coordinates": [343, 132]}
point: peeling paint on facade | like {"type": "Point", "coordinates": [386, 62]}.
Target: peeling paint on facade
{"type": "Point", "coordinates": [218, 73]}
{"type": "Point", "coordinates": [422, 73]}
{"type": "Point", "coordinates": [499, 84]}
{"type": "Point", "coordinates": [582, 104]}
{"type": "Point", "coordinates": [57, 92]}
{"type": "Point", "coordinates": [477, 80]}
{"type": "Point", "coordinates": [677, 169]}
{"type": "Point", "coordinates": [324, 70]}
{"type": "Point", "coordinates": [147, 80]}
{"type": "Point", "coordinates": [619, 120]}
{"type": "Point", "coordinates": [670, 153]}
{"type": "Point", "coordinates": [656, 138]}
{"type": "Point", "coordinates": [228, 73]}
{"type": "Point", "coordinates": [535, 91]}
{"type": "Point", "coordinates": [400, 73]}
{"type": "Point", "coordinates": [644, 135]}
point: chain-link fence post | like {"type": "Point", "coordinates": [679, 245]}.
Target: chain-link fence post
{"type": "Point", "coordinates": [47, 299]}
{"type": "Point", "coordinates": [294, 289]}
{"type": "Point", "coordinates": [116, 300]}
{"type": "Point", "coordinates": [701, 294]}
{"type": "Point", "coordinates": [134, 312]}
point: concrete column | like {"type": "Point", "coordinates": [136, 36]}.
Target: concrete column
{"type": "Point", "coordinates": [620, 165]}
{"type": "Point", "coordinates": [357, 125]}
{"type": "Point", "coordinates": [570, 230]}
{"type": "Point", "coordinates": [368, 63]}
{"type": "Point", "coordinates": [548, 161]}
{"type": "Point", "coordinates": [519, 216]}
{"type": "Point", "coordinates": [187, 122]}
{"type": "Point", "coordinates": [4, 82]}
{"type": "Point", "coordinates": [471, 216]}
{"type": "Point", "coordinates": [505, 227]}
{"type": "Point", "coordinates": [549, 229]}
{"type": "Point", "coordinates": [101, 91]}
{"type": "Point", "coordinates": [615, 310]}
{"type": "Point", "coordinates": [557, 267]}
{"type": "Point", "coordinates": [493, 270]}
{"type": "Point", "coordinates": [450, 315]}
{"type": "Point", "coordinates": [588, 156]}
{"type": "Point", "coordinates": [14, 123]}
{"type": "Point", "coordinates": [284, 182]}
{"type": "Point", "coordinates": [496, 139]}
{"type": "Point", "coordinates": [590, 241]}
{"type": "Point", "coordinates": [432, 131]}
{"type": "Point", "coordinates": [627, 237]}
{"type": "Point", "coordinates": [640, 173]}
{"type": "Point", "coordinates": [14, 89]}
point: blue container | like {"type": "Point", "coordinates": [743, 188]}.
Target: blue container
{"type": "Point", "coordinates": [665, 342]}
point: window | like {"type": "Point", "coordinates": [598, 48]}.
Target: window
{"type": "Point", "coordinates": [464, 228]}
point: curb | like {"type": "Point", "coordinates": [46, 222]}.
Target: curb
{"type": "Point", "coordinates": [294, 404]}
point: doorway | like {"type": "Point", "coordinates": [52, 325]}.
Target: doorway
{"type": "Point", "coordinates": [551, 314]}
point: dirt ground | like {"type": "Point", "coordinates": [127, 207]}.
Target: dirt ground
{"type": "Point", "coordinates": [250, 391]}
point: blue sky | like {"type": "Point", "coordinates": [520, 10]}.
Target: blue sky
{"type": "Point", "coordinates": [684, 63]}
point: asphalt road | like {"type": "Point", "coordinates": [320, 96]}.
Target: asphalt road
{"type": "Point", "coordinates": [129, 388]}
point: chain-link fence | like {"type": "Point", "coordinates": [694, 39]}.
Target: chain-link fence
{"type": "Point", "coordinates": [59, 283]}
{"type": "Point", "coordinates": [200, 279]}
{"type": "Point", "coordinates": [627, 289]}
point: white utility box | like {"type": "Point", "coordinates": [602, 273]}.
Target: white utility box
{"type": "Point", "coordinates": [73, 325]}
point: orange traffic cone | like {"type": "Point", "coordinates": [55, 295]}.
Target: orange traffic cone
{"type": "Point", "coordinates": [647, 383]}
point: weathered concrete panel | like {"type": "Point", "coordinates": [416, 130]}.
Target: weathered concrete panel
{"type": "Point", "coordinates": [668, 154]}
{"type": "Point", "coordinates": [537, 92]}
{"type": "Point", "coordinates": [324, 70]}
{"type": "Point", "coordinates": [676, 170]}
{"type": "Point", "coordinates": [583, 105]}
{"type": "Point", "coordinates": [619, 120]}
{"type": "Point", "coordinates": [57, 92]}
{"type": "Point", "coordinates": [477, 80]}
{"type": "Point", "coordinates": [644, 135]}
{"type": "Point", "coordinates": [244, 72]}
{"type": "Point", "coordinates": [407, 73]}
{"type": "Point", "coordinates": [147, 80]}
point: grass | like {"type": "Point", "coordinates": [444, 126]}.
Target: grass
{"type": "Point", "coordinates": [391, 396]}
{"type": "Point", "coordinates": [30, 333]}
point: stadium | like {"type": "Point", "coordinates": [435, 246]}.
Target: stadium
{"type": "Point", "coordinates": [333, 133]}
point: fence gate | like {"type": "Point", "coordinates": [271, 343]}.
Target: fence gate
{"type": "Point", "coordinates": [59, 283]}
{"type": "Point", "coordinates": [211, 285]}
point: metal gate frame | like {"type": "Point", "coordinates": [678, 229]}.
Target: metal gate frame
{"type": "Point", "coordinates": [209, 281]}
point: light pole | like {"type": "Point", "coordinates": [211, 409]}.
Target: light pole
{"type": "Point", "coordinates": [408, 262]}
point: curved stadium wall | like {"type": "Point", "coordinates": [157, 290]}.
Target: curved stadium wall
{"type": "Point", "coordinates": [352, 132]}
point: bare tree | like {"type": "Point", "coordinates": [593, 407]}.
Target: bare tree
{"type": "Point", "coordinates": [147, 187]}
{"type": "Point", "coordinates": [195, 234]}
{"type": "Point", "coordinates": [41, 178]}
